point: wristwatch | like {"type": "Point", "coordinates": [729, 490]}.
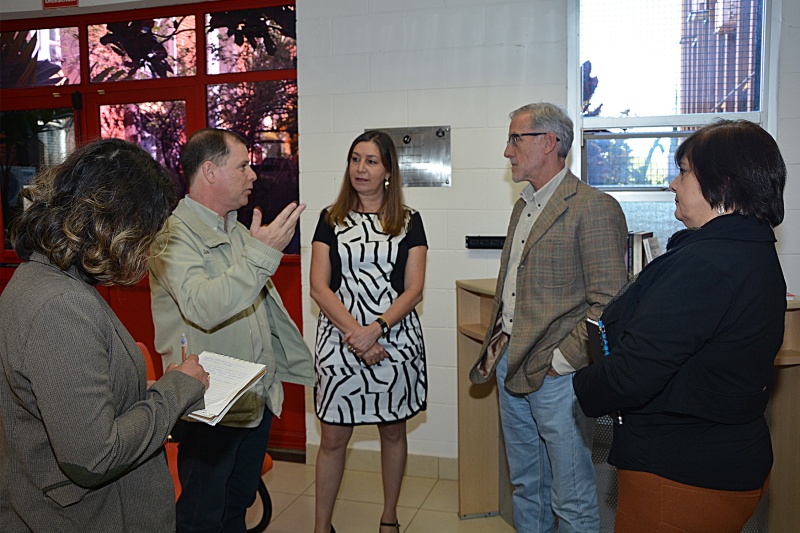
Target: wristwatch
{"type": "Point", "coordinates": [384, 325]}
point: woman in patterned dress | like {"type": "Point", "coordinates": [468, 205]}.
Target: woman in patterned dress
{"type": "Point", "coordinates": [367, 275]}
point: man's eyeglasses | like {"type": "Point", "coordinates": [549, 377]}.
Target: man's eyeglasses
{"type": "Point", "coordinates": [514, 138]}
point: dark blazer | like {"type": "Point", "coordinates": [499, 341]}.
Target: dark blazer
{"type": "Point", "coordinates": [80, 435]}
{"type": "Point", "coordinates": [571, 265]}
{"type": "Point", "coordinates": [693, 342]}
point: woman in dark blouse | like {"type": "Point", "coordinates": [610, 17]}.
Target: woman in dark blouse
{"type": "Point", "coordinates": [691, 344]}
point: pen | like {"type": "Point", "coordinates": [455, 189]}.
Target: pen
{"type": "Point", "coordinates": [183, 346]}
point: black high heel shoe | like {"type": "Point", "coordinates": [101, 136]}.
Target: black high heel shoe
{"type": "Point", "coordinates": [391, 524]}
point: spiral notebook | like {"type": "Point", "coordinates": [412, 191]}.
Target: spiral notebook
{"type": "Point", "coordinates": [229, 379]}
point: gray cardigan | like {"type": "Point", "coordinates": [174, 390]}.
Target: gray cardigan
{"type": "Point", "coordinates": [80, 434]}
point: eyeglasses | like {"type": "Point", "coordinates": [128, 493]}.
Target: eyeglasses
{"type": "Point", "coordinates": [514, 138]}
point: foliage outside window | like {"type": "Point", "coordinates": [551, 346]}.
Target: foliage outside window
{"type": "Point", "coordinates": [158, 127]}
{"type": "Point", "coordinates": [39, 58]}
{"type": "Point", "coordinates": [142, 49]}
{"type": "Point", "coordinates": [265, 114]}
{"type": "Point", "coordinates": [251, 39]}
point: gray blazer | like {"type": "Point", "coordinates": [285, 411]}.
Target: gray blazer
{"type": "Point", "coordinates": [571, 266]}
{"type": "Point", "coordinates": [80, 434]}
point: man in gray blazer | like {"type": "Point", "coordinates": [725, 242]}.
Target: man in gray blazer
{"type": "Point", "coordinates": [562, 261]}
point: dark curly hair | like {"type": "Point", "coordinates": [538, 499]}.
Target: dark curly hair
{"type": "Point", "coordinates": [99, 212]}
{"type": "Point", "coordinates": [739, 165]}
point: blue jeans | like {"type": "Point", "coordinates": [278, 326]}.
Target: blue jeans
{"type": "Point", "coordinates": [219, 468]}
{"type": "Point", "coordinates": [549, 448]}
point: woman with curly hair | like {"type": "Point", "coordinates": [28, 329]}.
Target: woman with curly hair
{"type": "Point", "coordinates": [81, 434]}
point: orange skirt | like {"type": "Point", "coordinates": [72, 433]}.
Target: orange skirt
{"type": "Point", "coordinates": [652, 504]}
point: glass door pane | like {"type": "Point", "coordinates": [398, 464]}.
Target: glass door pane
{"type": "Point", "coordinates": [29, 141]}
{"type": "Point", "coordinates": [155, 119]}
{"type": "Point", "coordinates": [159, 127]}
{"type": "Point", "coordinates": [265, 114]}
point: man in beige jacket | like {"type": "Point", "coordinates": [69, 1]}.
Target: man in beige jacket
{"type": "Point", "coordinates": [212, 282]}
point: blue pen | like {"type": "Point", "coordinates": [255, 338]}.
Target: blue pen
{"type": "Point", "coordinates": [183, 346]}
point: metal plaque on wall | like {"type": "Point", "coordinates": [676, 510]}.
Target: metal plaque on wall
{"type": "Point", "coordinates": [423, 154]}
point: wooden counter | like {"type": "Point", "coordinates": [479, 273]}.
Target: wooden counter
{"type": "Point", "coordinates": [784, 485]}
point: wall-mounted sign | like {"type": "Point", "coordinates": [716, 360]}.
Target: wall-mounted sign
{"type": "Point", "coordinates": [53, 4]}
{"type": "Point", "coordinates": [423, 154]}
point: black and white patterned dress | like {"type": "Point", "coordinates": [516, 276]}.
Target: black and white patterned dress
{"type": "Point", "coordinates": [367, 275]}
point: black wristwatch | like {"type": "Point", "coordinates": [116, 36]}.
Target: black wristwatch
{"type": "Point", "coordinates": [384, 325]}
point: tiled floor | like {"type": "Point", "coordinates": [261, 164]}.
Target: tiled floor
{"type": "Point", "coordinates": [426, 505]}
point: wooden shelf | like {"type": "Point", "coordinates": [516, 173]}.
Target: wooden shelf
{"type": "Point", "coordinates": [479, 447]}
{"type": "Point", "coordinates": [473, 331]}
{"type": "Point", "coordinates": [784, 485]}
{"type": "Point", "coordinates": [787, 358]}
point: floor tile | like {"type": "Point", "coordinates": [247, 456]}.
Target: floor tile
{"type": "Point", "coordinates": [368, 487]}
{"type": "Point", "coordinates": [360, 517]}
{"type": "Point", "coordinates": [443, 497]}
{"type": "Point", "coordinates": [280, 501]}
{"type": "Point", "coordinates": [426, 521]}
{"type": "Point", "coordinates": [427, 505]}
{"type": "Point", "coordinates": [348, 517]}
{"type": "Point", "coordinates": [293, 478]}
{"type": "Point", "coordinates": [298, 517]}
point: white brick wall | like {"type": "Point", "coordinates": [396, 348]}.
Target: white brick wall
{"type": "Point", "coordinates": [788, 136]}
{"type": "Point", "coordinates": [466, 64]}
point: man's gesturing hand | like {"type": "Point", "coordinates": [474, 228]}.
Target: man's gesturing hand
{"type": "Point", "coordinates": [278, 233]}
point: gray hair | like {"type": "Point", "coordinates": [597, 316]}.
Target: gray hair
{"type": "Point", "coordinates": [550, 117]}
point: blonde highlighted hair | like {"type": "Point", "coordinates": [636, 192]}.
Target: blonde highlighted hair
{"type": "Point", "coordinates": [98, 212]}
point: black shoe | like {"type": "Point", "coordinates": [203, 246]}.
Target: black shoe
{"type": "Point", "coordinates": [391, 524]}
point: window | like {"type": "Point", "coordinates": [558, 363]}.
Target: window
{"type": "Point", "coordinates": [650, 73]}
{"type": "Point", "coordinates": [251, 39]}
{"type": "Point", "coordinates": [37, 58]}
{"type": "Point", "coordinates": [152, 76]}
{"type": "Point", "coordinates": [142, 49]}
{"type": "Point", "coordinates": [31, 139]}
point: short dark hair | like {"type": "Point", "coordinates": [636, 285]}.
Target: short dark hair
{"type": "Point", "coordinates": [99, 211]}
{"type": "Point", "coordinates": [738, 165]}
{"type": "Point", "coordinates": [207, 144]}
{"type": "Point", "coordinates": [393, 211]}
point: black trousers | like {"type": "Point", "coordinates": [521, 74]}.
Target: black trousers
{"type": "Point", "coordinates": [219, 468]}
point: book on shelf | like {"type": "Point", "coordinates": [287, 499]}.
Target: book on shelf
{"type": "Point", "coordinates": [652, 249]}
{"type": "Point", "coordinates": [636, 252]}
{"type": "Point", "coordinates": [229, 379]}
